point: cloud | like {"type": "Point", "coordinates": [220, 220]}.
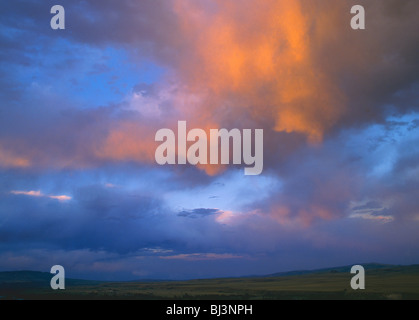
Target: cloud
{"type": "Point", "coordinates": [370, 216]}
{"type": "Point", "coordinates": [285, 67]}
{"type": "Point", "coordinates": [9, 160]}
{"type": "Point", "coordinates": [254, 58]}
{"type": "Point", "coordinates": [199, 212]}
{"type": "Point", "coordinates": [362, 171]}
{"type": "Point", "coordinates": [40, 194]}
{"type": "Point", "coordinates": [371, 210]}
{"type": "Point", "coordinates": [201, 256]}
{"type": "Point", "coordinates": [337, 106]}
{"type": "Point", "coordinates": [28, 193]}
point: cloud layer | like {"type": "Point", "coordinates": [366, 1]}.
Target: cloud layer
{"type": "Point", "coordinates": [80, 108]}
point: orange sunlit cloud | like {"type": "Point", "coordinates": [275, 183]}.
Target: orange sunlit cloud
{"type": "Point", "coordinates": [128, 141]}
{"type": "Point", "coordinates": [260, 56]}
{"type": "Point", "coordinates": [247, 55]}
{"type": "Point", "coordinates": [256, 59]}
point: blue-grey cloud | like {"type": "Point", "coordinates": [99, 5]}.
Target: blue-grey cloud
{"type": "Point", "coordinates": [199, 212]}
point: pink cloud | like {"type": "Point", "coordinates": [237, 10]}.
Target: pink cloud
{"type": "Point", "coordinates": [38, 193]}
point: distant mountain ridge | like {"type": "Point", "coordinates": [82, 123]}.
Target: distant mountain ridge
{"type": "Point", "coordinates": [35, 279]}
{"type": "Point", "coordinates": [347, 268]}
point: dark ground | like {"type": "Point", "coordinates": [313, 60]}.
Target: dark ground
{"type": "Point", "coordinates": [382, 282]}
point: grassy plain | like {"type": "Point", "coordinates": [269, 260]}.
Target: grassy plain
{"type": "Point", "coordinates": [382, 282]}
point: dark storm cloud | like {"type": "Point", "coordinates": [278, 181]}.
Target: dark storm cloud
{"type": "Point", "coordinates": [372, 170]}
{"type": "Point", "coordinates": [100, 218]}
{"type": "Point", "coordinates": [147, 24]}
{"type": "Point", "coordinates": [95, 218]}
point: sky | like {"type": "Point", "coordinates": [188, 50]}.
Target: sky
{"type": "Point", "coordinates": [79, 183]}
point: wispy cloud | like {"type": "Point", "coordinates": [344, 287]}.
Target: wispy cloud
{"type": "Point", "coordinates": [28, 193]}
{"type": "Point", "coordinates": [157, 250]}
{"type": "Point", "coordinates": [199, 212]}
{"type": "Point", "coordinates": [374, 217]}
{"type": "Point", "coordinates": [38, 193]}
{"type": "Point", "coordinates": [371, 210]}
{"type": "Point", "coordinates": [202, 256]}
